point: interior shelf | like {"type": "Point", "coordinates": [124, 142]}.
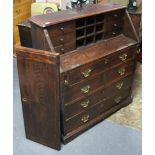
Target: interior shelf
{"type": "Point", "coordinates": [89, 29]}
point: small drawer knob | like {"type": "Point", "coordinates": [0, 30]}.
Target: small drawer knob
{"type": "Point", "coordinates": [66, 83]}
{"type": "Point", "coordinates": [123, 57]}
{"type": "Point", "coordinates": [115, 25]}
{"type": "Point", "coordinates": [85, 103]}
{"type": "Point", "coordinates": [62, 49]}
{"type": "Point", "coordinates": [85, 118]}
{"type": "Point", "coordinates": [85, 89]}
{"type": "Point", "coordinates": [86, 73]}
{"type": "Point", "coordinates": [115, 15]}
{"type": "Point", "coordinates": [119, 85]}
{"type": "Point", "coordinates": [62, 28]}
{"type": "Point", "coordinates": [106, 61]}
{"type": "Point", "coordinates": [113, 33]}
{"type": "Point", "coordinates": [121, 71]}
{"type": "Point", "coordinates": [24, 100]}
{"type": "Point", "coordinates": [61, 39]}
{"type": "Point", "coordinates": [118, 99]}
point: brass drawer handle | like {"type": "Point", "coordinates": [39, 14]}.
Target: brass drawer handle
{"type": "Point", "coordinates": [119, 85]}
{"type": "Point", "coordinates": [86, 73]}
{"type": "Point", "coordinates": [121, 71]}
{"type": "Point", "coordinates": [85, 103]}
{"type": "Point", "coordinates": [85, 118]}
{"type": "Point", "coordinates": [118, 99]}
{"type": "Point", "coordinates": [85, 89]}
{"type": "Point", "coordinates": [123, 57]}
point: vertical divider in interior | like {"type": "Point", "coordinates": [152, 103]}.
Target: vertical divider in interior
{"type": "Point", "coordinates": [94, 39]}
{"type": "Point", "coordinates": [85, 36]}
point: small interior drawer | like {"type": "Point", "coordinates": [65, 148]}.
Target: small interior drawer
{"type": "Point", "coordinates": [113, 25]}
{"type": "Point", "coordinates": [112, 33]}
{"type": "Point", "coordinates": [65, 47]}
{"type": "Point", "coordinates": [63, 39]}
{"type": "Point", "coordinates": [60, 29]}
{"type": "Point", "coordinates": [114, 15]}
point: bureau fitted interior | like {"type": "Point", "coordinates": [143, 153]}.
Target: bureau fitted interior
{"type": "Point", "coordinates": [79, 71]}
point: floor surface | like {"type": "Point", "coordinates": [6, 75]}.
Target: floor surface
{"type": "Point", "coordinates": [106, 138]}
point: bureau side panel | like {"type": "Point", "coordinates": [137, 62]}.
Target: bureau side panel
{"type": "Point", "coordinates": [39, 85]}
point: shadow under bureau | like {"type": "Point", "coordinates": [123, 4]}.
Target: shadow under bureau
{"type": "Point", "coordinates": [79, 71]}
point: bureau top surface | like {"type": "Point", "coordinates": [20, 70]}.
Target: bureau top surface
{"type": "Point", "coordinates": [94, 52]}
{"type": "Point", "coordinates": [46, 20]}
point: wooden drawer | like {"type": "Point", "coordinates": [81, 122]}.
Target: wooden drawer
{"type": "Point", "coordinates": [121, 56]}
{"type": "Point", "coordinates": [65, 48]}
{"type": "Point", "coordinates": [115, 15]}
{"type": "Point", "coordinates": [119, 72]}
{"type": "Point", "coordinates": [88, 70]}
{"type": "Point", "coordinates": [113, 33]}
{"type": "Point", "coordinates": [119, 85]}
{"type": "Point", "coordinates": [63, 39]}
{"type": "Point", "coordinates": [113, 25]}
{"type": "Point", "coordinates": [61, 29]}
{"type": "Point", "coordinates": [94, 111]}
{"type": "Point", "coordinates": [83, 89]}
{"type": "Point", "coordinates": [82, 105]}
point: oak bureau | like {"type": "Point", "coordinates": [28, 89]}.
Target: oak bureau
{"type": "Point", "coordinates": [79, 71]}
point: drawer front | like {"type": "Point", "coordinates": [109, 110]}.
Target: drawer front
{"type": "Point", "coordinates": [119, 86]}
{"type": "Point", "coordinates": [121, 56]}
{"type": "Point", "coordinates": [65, 48]}
{"type": "Point", "coordinates": [96, 110]}
{"type": "Point", "coordinates": [119, 72]}
{"type": "Point", "coordinates": [63, 39]}
{"type": "Point", "coordinates": [86, 71]}
{"type": "Point", "coordinates": [84, 104]}
{"type": "Point", "coordinates": [113, 33]}
{"type": "Point", "coordinates": [83, 89]}
{"type": "Point", "coordinates": [113, 25]}
{"type": "Point", "coordinates": [115, 15]}
{"type": "Point", "coordinates": [60, 29]}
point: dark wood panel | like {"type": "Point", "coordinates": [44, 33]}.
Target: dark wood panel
{"type": "Point", "coordinates": [39, 84]}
